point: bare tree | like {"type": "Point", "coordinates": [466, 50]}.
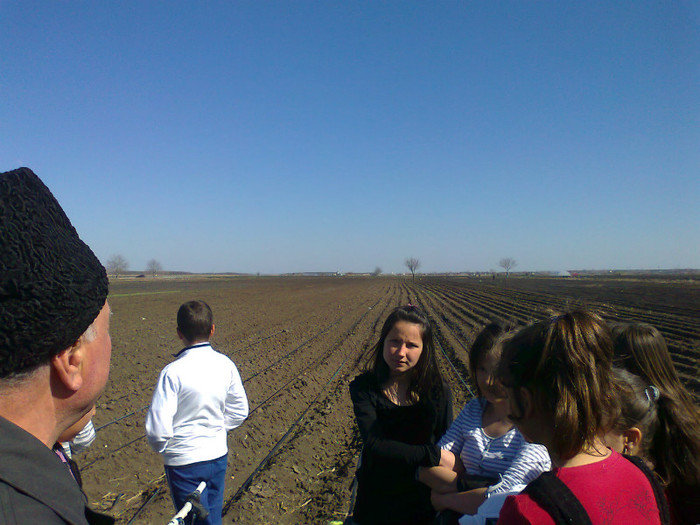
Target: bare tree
{"type": "Point", "coordinates": [507, 263]}
{"type": "Point", "coordinates": [153, 266]}
{"type": "Point", "coordinates": [117, 264]}
{"type": "Point", "coordinates": [412, 264]}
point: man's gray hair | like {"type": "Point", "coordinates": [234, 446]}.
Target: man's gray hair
{"type": "Point", "coordinates": [17, 379]}
{"type": "Point", "coordinates": [90, 334]}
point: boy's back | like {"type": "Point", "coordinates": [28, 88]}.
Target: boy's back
{"type": "Point", "coordinates": [197, 399]}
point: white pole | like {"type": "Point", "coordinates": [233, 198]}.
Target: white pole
{"type": "Point", "coordinates": [179, 518]}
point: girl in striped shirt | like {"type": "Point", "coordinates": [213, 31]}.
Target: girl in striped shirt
{"type": "Point", "coordinates": [482, 452]}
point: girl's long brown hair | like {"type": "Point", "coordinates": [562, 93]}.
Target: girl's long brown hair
{"type": "Point", "coordinates": [675, 445]}
{"type": "Point", "coordinates": [566, 363]}
{"type": "Point", "coordinates": [425, 376]}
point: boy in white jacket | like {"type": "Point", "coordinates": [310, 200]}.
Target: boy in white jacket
{"type": "Point", "coordinates": [198, 398]}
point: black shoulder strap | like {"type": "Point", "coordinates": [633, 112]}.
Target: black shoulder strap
{"type": "Point", "coordinates": [552, 494]}
{"type": "Point", "coordinates": [656, 487]}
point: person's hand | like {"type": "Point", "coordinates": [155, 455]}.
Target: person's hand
{"type": "Point", "coordinates": [447, 459]}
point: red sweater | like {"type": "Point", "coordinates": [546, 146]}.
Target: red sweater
{"type": "Point", "coordinates": [613, 492]}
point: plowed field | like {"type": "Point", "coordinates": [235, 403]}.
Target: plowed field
{"type": "Point", "coordinates": [297, 342]}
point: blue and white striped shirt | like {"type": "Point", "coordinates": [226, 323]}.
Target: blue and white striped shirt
{"type": "Point", "coordinates": [509, 457]}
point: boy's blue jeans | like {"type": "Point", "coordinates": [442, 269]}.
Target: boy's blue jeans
{"type": "Point", "coordinates": [184, 480]}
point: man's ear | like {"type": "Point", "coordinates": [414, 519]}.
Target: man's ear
{"type": "Point", "coordinates": [68, 365]}
{"type": "Point", "coordinates": [179, 335]}
{"type": "Point", "coordinates": [213, 328]}
{"type": "Point", "coordinates": [632, 440]}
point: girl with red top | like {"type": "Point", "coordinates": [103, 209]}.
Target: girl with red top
{"type": "Point", "coordinates": [558, 374]}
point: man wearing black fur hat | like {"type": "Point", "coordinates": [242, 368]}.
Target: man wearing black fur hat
{"type": "Point", "coordinates": [54, 351]}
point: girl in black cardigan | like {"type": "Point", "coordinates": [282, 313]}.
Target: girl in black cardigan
{"type": "Point", "coordinates": [402, 408]}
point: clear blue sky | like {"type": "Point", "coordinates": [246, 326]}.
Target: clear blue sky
{"type": "Point", "coordinates": [340, 136]}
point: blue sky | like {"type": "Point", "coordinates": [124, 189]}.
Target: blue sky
{"type": "Point", "coordinates": [340, 136]}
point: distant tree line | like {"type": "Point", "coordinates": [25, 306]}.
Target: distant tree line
{"type": "Point", "coordinates": [117, 265]}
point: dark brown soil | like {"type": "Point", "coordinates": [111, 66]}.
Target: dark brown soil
{"type": "Point", "coordinates": [297, 342]}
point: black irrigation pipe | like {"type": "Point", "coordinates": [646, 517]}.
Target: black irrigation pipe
{"type": "Point", "coordinates": [283, 387]}
{"type": "Point", "coordinates": [246, 484]}
{"type": "Point", "coordinates": [118, 399]}
{"type": "Point", "coordinates": [294, 351]}
{"type": "Point", "coordinates": [122, 417]}
{"type": "Point", "coordinates": [155, 493]}
{"type": "Point", "coordinates": [112, 452]}
{"type": "Point", "coordinates": [258, 341]}
{"type": "Point", "coordinates": [310, 364]}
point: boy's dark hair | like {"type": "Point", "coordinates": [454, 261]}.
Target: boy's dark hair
{"type": "Point", "coordinates": [425, 376]}
{"type": "Point", "coordinates": [566, 364]}
{"type": "Point", "coordinates": [195, 321]}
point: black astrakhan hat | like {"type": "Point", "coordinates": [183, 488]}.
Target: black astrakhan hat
{"type": "Point", "coordinates": [52, 287]}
